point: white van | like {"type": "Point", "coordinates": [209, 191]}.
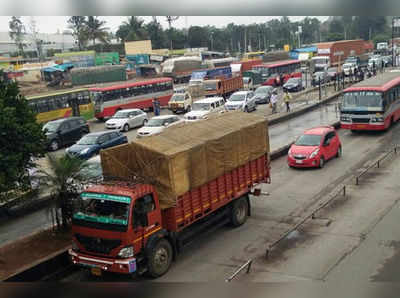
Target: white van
{"type": "Point", "coordinates": [202, 108]}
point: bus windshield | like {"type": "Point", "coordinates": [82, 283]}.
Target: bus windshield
{"type": "Point", "coordinates": [362, 99]}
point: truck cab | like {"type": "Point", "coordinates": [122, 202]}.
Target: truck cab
{"type": "Point", "coordinates": [180, 102]}
{"type": "Point", "coordinates": [321, 63]}
{"type": "Point", "coordinates": [113, 227]}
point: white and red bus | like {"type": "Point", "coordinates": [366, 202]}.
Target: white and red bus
{"type": "Point", "coordinates": [373, 104]}
{"type": "Point", "coordinates": [108, 100]}
{"type": "Point", "coordinates": [272, 71]}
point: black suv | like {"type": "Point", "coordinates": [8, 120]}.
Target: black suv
{"type": "Point", "coordinates": [65, 131]}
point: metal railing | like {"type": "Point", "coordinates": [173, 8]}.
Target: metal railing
{"type": "Point", "coordinates": [376, 163]}
{"type": "Point", "coordinates": [340, 191]}
{"type": "Point", "coordinates": [240, 269]}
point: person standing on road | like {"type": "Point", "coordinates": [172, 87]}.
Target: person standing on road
{"type": "Point", "coordinates": [156, 107]}
{"type": "Point", "coordinates": [287, 98]}
{"type": "Point", "coordinates": [274, 101]}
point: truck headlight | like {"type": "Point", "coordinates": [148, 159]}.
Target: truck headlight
{"type": "Point", "coordinates": [126, 252]}
{"type": "Point", "coordinates": [315, 152]}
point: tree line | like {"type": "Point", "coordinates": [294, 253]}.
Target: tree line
{"type": "Point", "coordinates": [89, 31]}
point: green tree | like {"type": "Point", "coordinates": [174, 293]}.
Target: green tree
{"type": "Point", "coordinates": [64, 180]}
{"type": "Point", "coordinates": [16, 33]}
{"type": "Point", "coordinates": [21, 140]}
{"type": "Point", "coordinates": [132, 29]}
{"type": "Point", "coordinates": [198, 37]}
{"type": "Point", "coordinates": [78, 26]}
{"type": "Point", "coordinates": [334, 36]}
{"type": "Point", "coordinates": [171, 32]}
{"type": "Point", "coordinates": [95, 29]}
{"type": "Point", "coordinates": [156, 34]}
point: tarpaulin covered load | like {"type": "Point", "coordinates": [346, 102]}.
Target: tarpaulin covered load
{"type": "Point", "coordinates": [187, 156]}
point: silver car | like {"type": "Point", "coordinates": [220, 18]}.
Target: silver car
{"type": "Point", "coordinates": [126, 119]}
{"type": "Point", "coordinates": [242, 100]}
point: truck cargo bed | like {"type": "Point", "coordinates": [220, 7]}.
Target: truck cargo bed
{"type": "Point", "coordinates": [201, 201]}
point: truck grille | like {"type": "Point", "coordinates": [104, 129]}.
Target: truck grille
{"type": "Point", "coordinates": [98, 245]}
{"type": "Point", "coordinates": [360, 120]}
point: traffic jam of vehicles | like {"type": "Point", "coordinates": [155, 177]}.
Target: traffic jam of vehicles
{"type": "Point", "coordinates": [200, 153]}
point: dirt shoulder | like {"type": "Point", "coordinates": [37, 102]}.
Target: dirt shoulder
{"type": "Point", "coordinates": [24, 253]}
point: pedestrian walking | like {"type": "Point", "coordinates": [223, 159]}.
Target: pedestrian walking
{"type": "Point", "coordinates": [287, 98]}
{"type": "Point", "coordinates": [156, 107]}
{"type": "Point", "coordinates": [274, 101]}
{"type": "Point", "coordinates": [382, 65]}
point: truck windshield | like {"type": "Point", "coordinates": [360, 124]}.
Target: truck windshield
{"type": "Point", "coordinates": [362, 99]}
{"type": "Point", "coordinates": [246, 80]}
{"type": "Point", "coordinates": [210, 85]}
{"type": "Point", "coordinates": [103, 208]}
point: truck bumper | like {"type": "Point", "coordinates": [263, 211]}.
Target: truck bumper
{"type": "Point", "coordinates": [124, 266]}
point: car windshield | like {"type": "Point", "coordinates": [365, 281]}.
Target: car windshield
{"type": "Point", "coordinates": [51, 126]}
{"type": "Point", "coordinates": [198, 106]}
{"type": "Point", "coordinates": [103, 208]}
{"type": "Point", "coordinates": [308, 140]}
{"type": "Point", "coordinates": [293, 81]}
{"type": "Point", "coordinates": [362, 99]}
{"type": "Point", "coordinates": [177, 97]}
{"type": "Point", "coordinates": [121, 115]}
{"type": "Point", "coordinates": [157, 122]}
{"type": "Point", "coordinates": [210, 85]}
{"type": "Point", "coordinates": [262, 90]}
{"type": "Point", "coordinates": [88, 140]}
{"type": "Point", "coordinates": [237, 97]}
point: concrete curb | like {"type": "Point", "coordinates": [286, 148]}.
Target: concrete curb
{"type": "Point", "coordinates": [280, 118]}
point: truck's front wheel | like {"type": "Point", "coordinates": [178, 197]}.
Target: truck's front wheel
{"type": "Point", "coordinates": [160, 258]}
{"type": "Point", "coordinates": [239, 213]}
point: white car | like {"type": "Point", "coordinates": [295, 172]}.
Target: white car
{"type": "Point", "coordinates": [349, 68]}
{"type": "Point", "coordinates": [202, 108]}
{"type": "Point", "coordinates": [241, 100]}
{"type": "Point", "coordinates": [124, 120]}
{"type": "Point", "coordinates": [157, 124]}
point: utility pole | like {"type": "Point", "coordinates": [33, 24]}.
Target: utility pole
{"type": "Point", "coordinates": [245, 40]}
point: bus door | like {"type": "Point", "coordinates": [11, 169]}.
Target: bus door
{"type": "Point", "coordinates": [74, 104]}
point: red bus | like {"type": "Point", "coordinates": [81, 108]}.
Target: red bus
{"type": "Point", "coordinates": [108, 100]}
{"type": "Point", "coordinates": [271, 71]}
{"type": "Point", "coordinates": [373, 104]}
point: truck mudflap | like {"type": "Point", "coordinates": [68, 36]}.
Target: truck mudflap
{"type": "Point", "coordinates": [97, 264]}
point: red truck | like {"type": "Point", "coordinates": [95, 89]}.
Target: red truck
{"type": "Point", "coordinates": [335, 53]}
{"type": "Point", "coordinates": [133, 228]}
{"type": "Point", "coordinates": [222, 87]}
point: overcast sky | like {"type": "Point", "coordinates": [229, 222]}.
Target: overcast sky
{"type": "Point", "coordinates": [50, 24]}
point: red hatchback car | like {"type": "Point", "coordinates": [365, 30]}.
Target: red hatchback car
{"type": "Point", "coordinates": [315, 147]}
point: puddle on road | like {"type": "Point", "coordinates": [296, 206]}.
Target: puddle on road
{"type": "Point", "coordinates": [390, 269]}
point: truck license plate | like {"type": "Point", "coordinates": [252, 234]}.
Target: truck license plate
{"type": "Point", "coordinates": [299, 161]}
{"type": "Point", "coordinates": [95, 271]}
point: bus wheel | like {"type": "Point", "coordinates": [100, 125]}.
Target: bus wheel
{"type": "Point", "coordinates": [160, 258]}
{"type": "Point", "coordinates": [239, 213]}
